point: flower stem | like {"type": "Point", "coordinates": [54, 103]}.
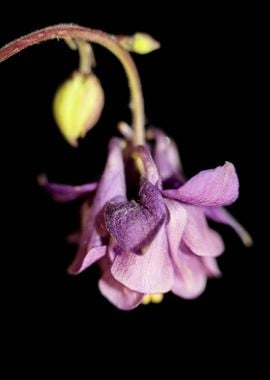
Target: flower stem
{"type": "Point", "coordinates": [86, 56]}
{"type": "Point", "coordinates": [65, 31]}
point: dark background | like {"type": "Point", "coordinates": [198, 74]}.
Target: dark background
{"type": "Point", "coordinates": [204, 89]}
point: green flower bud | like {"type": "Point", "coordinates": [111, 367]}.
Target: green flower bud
{"type": "Point", "coordinates": [140, 43]}
{"type": "Point", "coordinates": [77, 105]}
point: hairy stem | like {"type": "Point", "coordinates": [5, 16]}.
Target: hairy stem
{"type": "Point", "coordinates": [66, 31]}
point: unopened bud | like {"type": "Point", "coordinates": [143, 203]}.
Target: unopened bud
{"type": "Point", "coordinates": [77, 105]}
{"type": "Point", "coordinates": [140, 43]}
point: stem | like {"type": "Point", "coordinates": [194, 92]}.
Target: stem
{"type": "Point", "coordinates": [65, 31]}
{"type": "Point", "coordinates": [85, 54]}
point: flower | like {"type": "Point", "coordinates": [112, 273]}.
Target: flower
{"type": "Point", "coordinates": [160, 241]}
{"type": "Point", "coordinates": [94, 240]}
{"type": "Point", "coordinates": [199, 198]}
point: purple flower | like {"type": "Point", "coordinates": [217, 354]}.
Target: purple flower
{"type": "Point", "coordinates": [195, 200]}
{"type": "Point", "coordinates": [160, 241]}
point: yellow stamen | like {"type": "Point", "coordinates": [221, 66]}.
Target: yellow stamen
{"type": "Point", "coordinates": [154, 298]}
{"type": "Point", "coordinates": [157, 298]}
{"type": "Point", "coordinates": [146, 299]}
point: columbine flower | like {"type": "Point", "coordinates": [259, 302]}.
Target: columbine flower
{"type": "Point", "coordinates": [95, 243]}
{"type": "Point", "coordinates": [159, 242]}
{"type": "Point", "coordinates": [202, 196]}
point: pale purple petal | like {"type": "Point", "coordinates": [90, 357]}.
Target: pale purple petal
{"type": "Point", "coordinates": [220, 215]}
{"type": "Point", "coordinates": [199, 237]}
{"type": "Point", "coordinates": [209, 188]}
{"type": "Point", "coordinates": [166, 157]}
{"type": "Point", "coordinates": [65, 193]}
{"type": "Point", "coordinates": [211, 266]}
{"type": "Point", "coordinates": [92, 256]}
{"type": "Point", "coordinates": [111, 186]}
{"type": "Point", "coordinates": [151, 272]}
{"type": "Point", "coordinates": [189, 276]}
{"type": "Point", "coordinates": [175, 226]}
{"type": "Point", "coordinates": [119, 295]}
{"type": "Point", "coordinates": [150, 169]}
{"type": "Point", "coordinates": [189, 273]}
{"type": "Point", "coordinates": [134, 224]}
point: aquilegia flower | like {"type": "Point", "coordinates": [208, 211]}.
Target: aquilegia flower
{"type": "Point", "coordinates": [158, 239]}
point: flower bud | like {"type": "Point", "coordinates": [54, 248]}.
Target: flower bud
{"type": "Point", "coordinates": [77, 105]}
{"type": "Point", "coordinates": [140, 43]}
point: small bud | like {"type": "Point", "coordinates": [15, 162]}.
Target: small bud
{"type": "Point", "coordinates": [77, 105]}
{"type": "Point", "coordinates": [140, 43]}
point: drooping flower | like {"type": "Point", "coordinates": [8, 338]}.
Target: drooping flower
{"type": "Point", "coordinates": [160, 241]}
{"type": "Point", "coordinates": [201, 197]}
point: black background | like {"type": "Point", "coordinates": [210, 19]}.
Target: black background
{"type": "Point", "coordinates": [204, 89]}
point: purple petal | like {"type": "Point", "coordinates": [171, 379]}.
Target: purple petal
{"type": "Point", "coordinates": [189, 275]}
{"type": "Point", "coordinates": [166, 157]}
{"type": "Point", "coordinates": [150, 168]}
{"type": "Point", "coordinates": [110, 288]}
{"type": "Point", "coordinates": [111, 186]}
{"type": "Point", "coordinates": [151, 272]}
{"type": "Point", "coordinates": [90, 258]}
{"type": "Point", "coordinates": [211, 266]}
{"type": "Point", "coordinates": [201, 240]}
{"type": "Point", "coordinates": [220, 215]}
{"type": "Point", "coordinates": [176, 225]}
{"type": "Point", "coordinates": [134, 224]}
{"type": "Point", "coordinates": [65, 193]}
{"type": "Point", "coordinates": [119, 295]}
{"type": "Point", "coordinates": [209, 188]}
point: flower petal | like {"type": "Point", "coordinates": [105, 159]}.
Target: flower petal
{"type": "Point", "coordinates": [119, 295]}
{"type": "Point", "coordinates": [151, 272]}
{"type": "Point", "coordinates": [220, 215]}
{"type": "Point", "coordinates": [151, 172]}
{"type": "Point", "coordinates": [211, 266]}
{"type": "Point", "coordinates": [111, 186]}
{"type": "Point", "coordinates": [189, 275]}
{"type": "Point", "coordinates": [209, 188]}
{"type": "Point", "coordinates": [166, 157]}
{"type": "Point", "coordinates": [65, 193]}
{"type": "Point", "coordinates": [175, 226]}
{"type": "Point", "coordinates": [90, 258]}
{"type": "Point", "coordinates": [134, 224]}
{"type": "Point", "coordinates": [199, 237]}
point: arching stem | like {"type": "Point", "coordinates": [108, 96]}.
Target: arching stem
{"type": "Point", "coordinates": [65, 31]}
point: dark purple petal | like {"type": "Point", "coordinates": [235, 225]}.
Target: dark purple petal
{"type": "Point", "coordinates": [209, 188]}
{"type": "Point", "coordinates": [111, 186]}
{"type": "Point", "coordinates": [65, 193]}
{"type": "Point", "coordinates": [199, 237]}
{"type": "Point", "coordinates": [166, 157]}
{"type": "Point", "coordinates": [220, 215]}
{"type": "Point", "coordinates": [189, 275]}
{"type": "Point", "coordinates": [151, 272]}
{"type": "Point", "coordinates": [134, 224]}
